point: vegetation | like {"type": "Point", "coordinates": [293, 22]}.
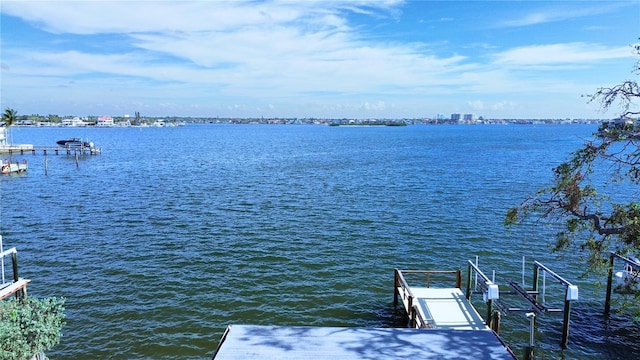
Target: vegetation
{"type": "Point", "coordinates": [9, 117]}
{"type": "Point", "coordinates": [593, 221]}
{"type": "Point", "coordinates": [29, 326]}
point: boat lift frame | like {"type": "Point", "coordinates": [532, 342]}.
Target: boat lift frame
{"type": "Point", "coordinates": [634, 266]}
{"type": "Point", "coordinates": [490, 293]}
{"type": "Point", "coordinates": [570, 295]}
{"type": "Point", "coordinates": [530, 296]}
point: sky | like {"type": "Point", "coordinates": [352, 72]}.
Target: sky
{"type": "Point", "coordinates": [315, 58]}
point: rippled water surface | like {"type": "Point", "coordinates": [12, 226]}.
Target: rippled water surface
{"type": "Point", "coordinates": [171, 234]}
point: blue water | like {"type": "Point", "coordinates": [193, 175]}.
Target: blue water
{"type": "Point", "coordinates": [171, 234]}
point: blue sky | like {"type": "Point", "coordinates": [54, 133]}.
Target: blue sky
{"type": "Point", "coordinates": [315, 58]}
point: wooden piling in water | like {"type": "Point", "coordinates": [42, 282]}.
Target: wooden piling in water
{"type": "Point", "coordinates": [607, 301]}
{"type": "Point", "coordinates": [14, 261]}
{"type": "Point", "coordinates": [565, 322]}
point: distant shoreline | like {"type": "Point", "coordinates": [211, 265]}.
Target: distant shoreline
{"type": "Point", "coordinates": [173, 122]}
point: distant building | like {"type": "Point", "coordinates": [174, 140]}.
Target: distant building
{"type": "Point", "coordinates": [468, 118]}
{"type": "Point", "coordinates": [455, 117]}
{"type": "Point", "coordinates": [105, 121]}
{"type": "Point", "coordinates": [76, 121]}
{"type": "Point", "coordinates": [4, 138]}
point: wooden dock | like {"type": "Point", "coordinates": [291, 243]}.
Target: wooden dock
{"type": "Point", "coordinates": [52, 150]}
{"type": "Point", "coordinates": [443, 325]}
{"type": "Point", "coordinates": [445, 309]}
{"type": "Point", "coordinates": [11, 288]}
{"type": "Point", "coordinates": [18, 286]}
{"type": "Point", "coordinates": [431, 307]}
{"type": "Point", "coordinates": [241, 342]}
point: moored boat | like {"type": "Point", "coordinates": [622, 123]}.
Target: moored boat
{"type": "Point", "coordinates": [14, 167]}
{"type": "Point", "coordinates": [74, 143]}
{"type": "Point", "coordinates": [629, 277]}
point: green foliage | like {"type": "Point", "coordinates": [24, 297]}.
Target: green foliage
{"type": "Point", "coordinates": [593, 222]}
{"type": "Point", "coordinates": [29, 326]}
{"type": "Point", "coordinates": [9, 117]}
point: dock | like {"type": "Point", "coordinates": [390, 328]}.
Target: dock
{"type": "Point", "coordinates": [332, 343]}
{"type": "Point", "coordinates": [55, 150]}
{"type": "Point", "coordinates": [441, 324]}
{"type": "Point", "coordinates": [18, 286]}
{"type": "Point", "coordinates": [431, 307]}
{"type": "Point", "coordinates": [14, 167]}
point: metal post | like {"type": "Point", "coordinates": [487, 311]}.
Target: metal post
{"type": "Point", "coordinates": [536, 275]}
{"type": "Point", "coordinates": [523, 285]}
{"type": "Point", "coordinates": [475, 284]}
{"type": "Point", "coordinates": [607, 301]}
{"type": "Point", "coordinates": [469, 282]}
{"type": "Point", "coordinates": [544, 287]}
{"type": "Point", "coordinates": [532, 322]}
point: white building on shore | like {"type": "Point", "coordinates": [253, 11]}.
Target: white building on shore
{"type": "Point", "coordinates": [74, 122]}
{"type": "Point", "coordinates": [105, 121]}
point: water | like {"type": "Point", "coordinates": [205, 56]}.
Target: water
{"type": "Point", "coordinates": [171, 234]}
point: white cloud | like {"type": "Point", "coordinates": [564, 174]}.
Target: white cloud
{"type": "Point", "coordinates": [476, 105]}
{"type": "Point", "coordinates": [567, 53]}
{"type": "Point", "coordinates": [557, 12]}
{"type": "Point", "coordinates": [286, 46]}
{"type": "Point", "coordinates": [504, 105]}
{"type": "Point", "coordinates": [265, 56]}
{"type": "Point", "coordinates": [126, 17]}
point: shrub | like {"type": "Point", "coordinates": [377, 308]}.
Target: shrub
{"type": "Point", "coordinates": [29, 326]}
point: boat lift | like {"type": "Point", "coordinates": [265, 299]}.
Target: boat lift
{"type": "Point", "coordinates": [535, 297]}
{"type": "Point", "coordinates": [631, 271]}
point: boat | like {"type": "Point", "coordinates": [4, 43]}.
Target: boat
{"type": "Point", "coordinates": [75, 143]}
{"type": "Point", "coordinates": [14, 167]}
{"type": "Point", "coordinates": [629, 277]}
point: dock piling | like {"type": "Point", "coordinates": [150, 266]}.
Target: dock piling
{"type": "Point", "coordinates": [607, 301]}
